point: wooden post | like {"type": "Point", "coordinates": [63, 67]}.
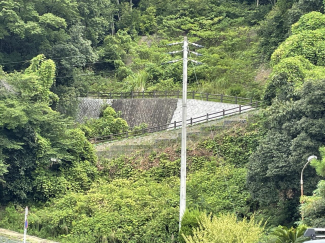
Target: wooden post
{"type": "Point", "coordinates": [110, 95]}
{"type": "Point", "coordinates": [178, 94]}
{"type": "Point", "coordinates": [126, 134]}
{"type": "Point", "coordinates": [251, 101]}
{"type": "Point", "coordinates": [142, 94]}
{"type": "Point", "coordinates": [165, 94]}
{"type": "Point", "coordinates": [174, 124]}
{"type": "Point", "coordinates": [239, 108]}
{"type": "Point", "coordinates": [236, 99]}
{"type": "Point", "coordinates": [131, 94]}
{"type": "Point", "coordinates": [207, 117]}
{"type": "Point", "coordinates": [223, 112]}
{"type": "Point", "coordinates": [221, 98]}
{"type": "Point", "coordinates": [193, 95]}
{"type": "Point", "coordinates": [191, 121]}
{"type": "Point", "coordinates": [207, 96]}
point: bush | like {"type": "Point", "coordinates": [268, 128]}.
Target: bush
{"type": "Point", "coordinates": [226, 228]}
{"type": "Point", "coordinates": [190, 221]}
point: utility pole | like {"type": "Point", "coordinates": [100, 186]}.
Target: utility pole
{"type": "Point", "coordinates": [182, 199]}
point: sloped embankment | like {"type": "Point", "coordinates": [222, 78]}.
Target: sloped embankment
{"type": "Point", "coordinates": [156, 141]}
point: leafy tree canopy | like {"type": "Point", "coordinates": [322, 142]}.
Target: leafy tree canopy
{"type": "Point", "coordinates": [41, 154]}
{"type": "Point", "coordinates": [299, 58]}
{"type": "Point", "coordinates": [293, 132]}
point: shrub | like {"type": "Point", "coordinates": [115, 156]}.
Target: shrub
{"type": "Point", "coordinates": [226, 228]}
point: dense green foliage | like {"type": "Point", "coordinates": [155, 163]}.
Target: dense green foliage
{"type": "Point", "coordinates": [41, 153]}
{"type": "Point", "coordinates": [108, 123]}
{"type": "Point", "coordinates": [275, 28]}
{"type": "Point", "coordinates": [312, 207]}
{"type": "Point", "coordinates": [47, 162]}
{"type": "Point", "coordinates": [226, 228]}
{"type": "Point", "coordinates": [293, 235]}
{"type": "Point", "coordinates": [120, 45]}
{"type": "Point", "coordinates": [137, 198]}
{"type": "Point", "coordinates": [299, 58]}
{"type": "Point", "coordinates": [294, 131]}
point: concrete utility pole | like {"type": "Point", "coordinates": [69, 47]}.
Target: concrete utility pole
{"type": "Point", "coordinates": [182, 200]}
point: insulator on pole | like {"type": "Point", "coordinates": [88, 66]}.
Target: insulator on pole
{"type": "Point", "coordinates": [196, 53]}
{"type": "Point", "coordinates": [171, 61]}
{"type": "Point", "coordinates": [196, 62]}
{"type": "Point", "coordinates": [197, 45]}
{"type": "Point", "coordinates": [174, 52]}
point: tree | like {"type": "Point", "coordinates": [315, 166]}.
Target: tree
{"type": "Point", "coordinates": [312, 207]}
{"type": "Point", "coordinates": [293, 131]}
{"type": "Point", "coordinates": [300, 57]}
{"type": "Point", "coordinates": [277, 24]}
{"type": "Point", "coordinates": [43, 153]}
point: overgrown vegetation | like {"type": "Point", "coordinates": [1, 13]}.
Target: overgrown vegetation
{"type": "Point", "coordinates": [141, 193]}
{"type": "Point", "coordinates": [239, 178]}
{"type": "Point", "coordinates": [120, 45]}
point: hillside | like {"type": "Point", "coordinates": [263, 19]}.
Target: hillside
{"type": "Point", "coordinates": [245, 176]}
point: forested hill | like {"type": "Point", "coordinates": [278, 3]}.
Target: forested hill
{"type": "Point", "coordinates": [104, 45]}
{"type": "Point", "coordinates": [52, 51]}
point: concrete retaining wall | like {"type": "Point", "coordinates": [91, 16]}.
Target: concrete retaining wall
{"type": "Point", "coordinates": [154, 112]}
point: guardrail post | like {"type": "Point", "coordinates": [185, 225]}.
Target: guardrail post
{"type": "Point", "coordinates": [239, 108]}
{"type": "Point", "coordinates": [256, 105]}
{"type": "Point", "coordinates": [221, 98]}
{"type": "Point", "coordinates": [153, 94]}
{"type": "Point", "coordinates": [207, 117]}
{"type": "Point", "coordinates": [98, 95]}
{"type": "Point", "coordinates": [142, 94]}
{"type": "Point", "coordinates": [223, 112]}
{"type": "Point", "coordinates": [110, 95]}
{"type": "Point", "coordinates": [236, 99]}
{"type": "Point", "coordinates": [131, 94]}
{"type": "Point", "coordinates": [143, 130]}
{"type": "Point", "coordinates": [193, 95]}
{"type": "Point", "coordinates": [191, 121]}
{"type": "Point", "coordinates": [174, 124]}
{"type": "Point", "coordinates": [121, 95]}
{"type": "Point", "coordinates": [207, 96]}
{"type": "Point", "coordinates": [251, 101]}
